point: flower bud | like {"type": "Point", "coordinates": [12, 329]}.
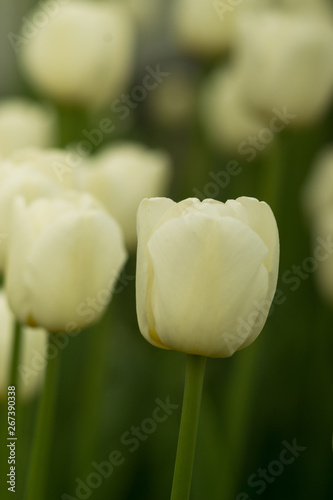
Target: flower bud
{"type": "Point", "coordinates": [24, 123]}
{"type": "Point", "coordinates": [317, 195]}
{"type": "Point", "coordinates": [58, 165]}
{"type": "Point", "coordinates": [23, 181]}
{"type": "Point", "coordinates": [206, 273]}
{"type": "Point", "coordinates": [202, 27]}
{"type": "Point", "coordinates": [227, 116]}
{"type": "Point", "coordinates": [83, 56]}
{"type": "Point", "coordinates": [121, 177]}
{"type": "Point", "coordinates": [64, 258]}
{"type": "Point", "coordinates": [33, 346]}
{"type": "Point", "coordinates": [317, 200]}
{"type": "Point", "coordinates": [285, 60]}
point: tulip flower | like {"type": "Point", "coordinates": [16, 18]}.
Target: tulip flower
{"type": "Point", "coordinates": [83, 55]}
{"type": "Point", "coordinates": [201, 28]}
{"type": "Point", "coordinates": [121, 176]}
{"type": "Point", "coordinates": [227, 116]}
{"type": "Point", "coordinates": [24, 123]}
{"type": "Point", "coordinates": [317, 198]}
{"type": "Point", "coordinates": [285, 60]}
{"type": "Point", "coordinates": [23, 181]}
{"type": "Point", "coordinates": [206, 273]}
{"type": "Point", "coordinates": [318, 193]}
{"type": "Point", "coordinates": [64, 256]}
{"type": "Point", "coordinates": [33, 345]}
{"type": "Point", "coordinates": [58, 165]}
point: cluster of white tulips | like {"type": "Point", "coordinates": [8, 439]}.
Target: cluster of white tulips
{"type": "Point", "coordinates": [279, 56]}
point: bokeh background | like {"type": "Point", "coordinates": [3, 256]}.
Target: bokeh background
{"type": "Point", "coordinates": [277, 390]}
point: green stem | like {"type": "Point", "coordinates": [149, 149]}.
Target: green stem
{"type": "Point", "coordinates": [92, 394]}
{"type": "Point", "coordinates": [72, 122]}
{"type": "Point", "coordinates": [39, 465]}
{"type": "Point", "coordinates": [15, 357]}
{"type": "Point", "coordinates": [272, 175]}
{"type": "Point", "coordinates": [195, 370]}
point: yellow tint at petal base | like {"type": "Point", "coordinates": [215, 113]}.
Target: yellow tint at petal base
{"type": "Point", "coordinates": [157, 341]}
{"type": "Point", "coordinates": [31, 322]}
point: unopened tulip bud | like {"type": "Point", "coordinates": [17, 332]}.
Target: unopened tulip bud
{"type": "Point", "coordinates": [83, 56]}
{"type": "Point", "coordinates": [64, 257]}
{"type": "Point", "coordinates": [122, 176]}
{"type": "Point", "coordinates": [206, 273]}
{"type": "Point", "coordinates": [24, 123]}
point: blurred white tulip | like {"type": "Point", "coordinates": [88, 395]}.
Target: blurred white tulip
{"type": "Point", "coordinates": [317, 201]}
{"type": "Point", "coordinates": [58, 165]}
{"type": "Point", "coordinates": [201, 29]}
{"type": "Point", "coordinates": [64, 257]}
{"type": "Point", "coordinates": [227, 117]}
{"type": "Point", "coordinates": [317, 194]}
{"type": "Point", "coordinates": [285, 60]}
{"type": "Point", "coordinates": [83, 55]}
{"type": "Point", "coordinates": [21, 181]}
{"type": "Point", "coordinates": [24, 123]}
{"type": "Point", "coordinates": [121, 176]}
{"type": "Point", "coordinates": [34, 342]}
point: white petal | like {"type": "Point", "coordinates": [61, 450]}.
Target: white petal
{"type": "Point", "coordinates": [205, 270]}
{"type": "Point", "coordinates": [261, 219]}
{"type": "Point", "coordinates": [19, 245]}
{"type": "Point", "coordinates": [149, 213]}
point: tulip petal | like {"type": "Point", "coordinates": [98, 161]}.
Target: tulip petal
{"type": "Point", "coordinates": [149, 213]}
{"type": "Point", "coordinates": [207, 273]}
{"type": "Point", "coordinates": [261, 219]}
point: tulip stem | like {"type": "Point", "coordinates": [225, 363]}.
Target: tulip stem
{"type": "Point", "coordinates": [15, 356]}
{"type": "Point", "coordinates": [195, 371]}
{"type": "Point", "coordinates": [38, 473]}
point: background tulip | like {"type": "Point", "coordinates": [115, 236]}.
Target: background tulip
{"type": "Point", "coordinates": [317, 193]}
{"type": "Point", "coordinates": [58, 165]}
{"type": "Point", "coordinates": [22, 181]}
{"type": "Point", "coordinates": [65, 255]}
{"type": "Point", "coordinates": [83, 55]}
{"type": "Point", "coordinates": [317, 198]}
{"type": "Point", "coordinates": [25, 123]}
{"type": "Point", "coordinates": [200, 30]}
{"type": "Point", "coordinates": [121, 176]}
{"type": "Point", "coordinates": [285, 60]}
{"type": "Point", "coordinates": [206, 273]}
{"type": "Point", "coordinates": [227, 116]}
{"type": "Point", "coordinates": [33, 344]}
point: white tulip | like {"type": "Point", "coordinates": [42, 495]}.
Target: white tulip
{"type": "Point", "coordinates": [33, 343]}
{"type": "Point", "coordinates": [147, 12]}
{"type": "Point", "coordinates": [22, 181]}
{"type": "Point", "coordinates": [64, 258]}
{"type": "Point", "coordinates": [206, 273]}
{"type": "Point", "coordinates": [317, 200]}
{"type": "Point", "coordinates": [121, 177]}
{"type": "Point", "coordinates": [286, 61]}
{"type": "Point", "coordinates": [227, 117]}
{"type": "Point", "coordinates": [58, 165]}
{"type": "Point", "coordinates": [317, 195]}
{"type": "Point", "coordinates": [24, 123]}
{"type": "Point", "coordinates": [83, 56]}
{"type": "Point", "coordinates": [322, 230]}
{"type": "Point", "coordinates": [201, 28]}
